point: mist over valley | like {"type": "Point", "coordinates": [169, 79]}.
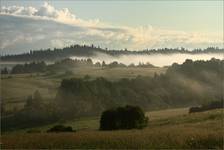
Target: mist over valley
{"type": "Point", "coordinates": [159, 60]}
{"type": "Point", "coordinates": [111, 74]}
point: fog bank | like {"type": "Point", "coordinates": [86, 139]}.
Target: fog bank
{"type": "Point", "coordinates": [155, 59]}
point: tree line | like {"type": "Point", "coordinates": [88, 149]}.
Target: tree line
{"type": "Point", "coordinates": [64, 65]}
{"type": "Point", "coordinates": [91, 50]}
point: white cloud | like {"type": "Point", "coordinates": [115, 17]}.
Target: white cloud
{"type": "Point", "coordinates": [25, 28]}
{"type": "Point", "coordinates": [46, 11]}
{"type": "Point", "coordinates": [17, 10]}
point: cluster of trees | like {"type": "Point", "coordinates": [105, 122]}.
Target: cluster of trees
{"type": "Point", "coordinates": [34, 113]}
{"type": "Point", "coordinates": [206, 107]}
{"type": "Point", "coordinates": [61, 128]}
{"type": "Point", "coordinates": [26, 68]}
{"type": "Point", "coordinates": [127, 117]}
{"type": "Point", "coordinates": [198, 69]}
{"type": "Point", "coordinates": [85, 50]}
{"type": "Point", "coordinates": [71, 63]}
{"type": "Point", "coordinates": [88, 62]}
{"type": "Point", "coordinates": [5, 71]}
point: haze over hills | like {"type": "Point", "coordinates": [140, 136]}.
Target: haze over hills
{"type": "Point", "coordinates": [152, 78]}
{"type": "Point", "coordinates": [99, 54]}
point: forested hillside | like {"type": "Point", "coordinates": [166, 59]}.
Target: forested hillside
{"type": "Point", "coordinates": [189, 84]}
{"type": "Point", "coordinates": [183, 85]}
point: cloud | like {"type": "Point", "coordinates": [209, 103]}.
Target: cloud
{"type": "Point", "coordinates": [25, 28]}
{"type": "Point", "coordinates": [46, 11]}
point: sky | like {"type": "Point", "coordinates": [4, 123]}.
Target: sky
{"type": "Point", "coordinates": [28, 25]}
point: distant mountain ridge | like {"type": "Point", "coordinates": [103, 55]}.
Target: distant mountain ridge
{"type": "Point", "coordinates": [85, 50]}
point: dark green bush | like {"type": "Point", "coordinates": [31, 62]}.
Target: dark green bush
{"type": "Point", "coordinates": [61, 128]}
{"type": "Point", "coordinates": [33, 131]}
{"type": "Point", "coordinates": [127, 117]}
{"type": "Point", "coordinates": [210, 106]}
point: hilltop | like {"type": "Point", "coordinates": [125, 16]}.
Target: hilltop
{"type": "Point", "coordinates": [88, 51]}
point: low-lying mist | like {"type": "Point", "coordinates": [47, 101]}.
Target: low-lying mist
{"type": "Point", "coordinates": [159, 60]}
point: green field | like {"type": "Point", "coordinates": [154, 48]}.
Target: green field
{"type": "Point", "coordinates": [117, 73]}
{"type": "Point", "coordinates": [173, 128]}
{"type": "Point", "coordinates": [16, 88]}
{"type": "Point", "coordinates": [92, 123]}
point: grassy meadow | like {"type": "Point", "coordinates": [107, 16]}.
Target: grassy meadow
{"type": "Point", "coordinates": [92, 123]}
{"type": "Point", "coordinates": [172, 128]}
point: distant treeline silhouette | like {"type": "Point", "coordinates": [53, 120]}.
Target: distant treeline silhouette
{"type": "Point", "coordinates": [85, 50]}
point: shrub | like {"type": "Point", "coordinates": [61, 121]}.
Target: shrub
{"type": "Point", "coordinates": [210, 106]}
{"type": "Point", "coordinates": [61, 128]}
{"type": "Point", "coordinates": [33, 131]}
{"type": "Point", "coordinates": [194, 109]}
{"type": "Point", "coordinates": [127, 117]}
